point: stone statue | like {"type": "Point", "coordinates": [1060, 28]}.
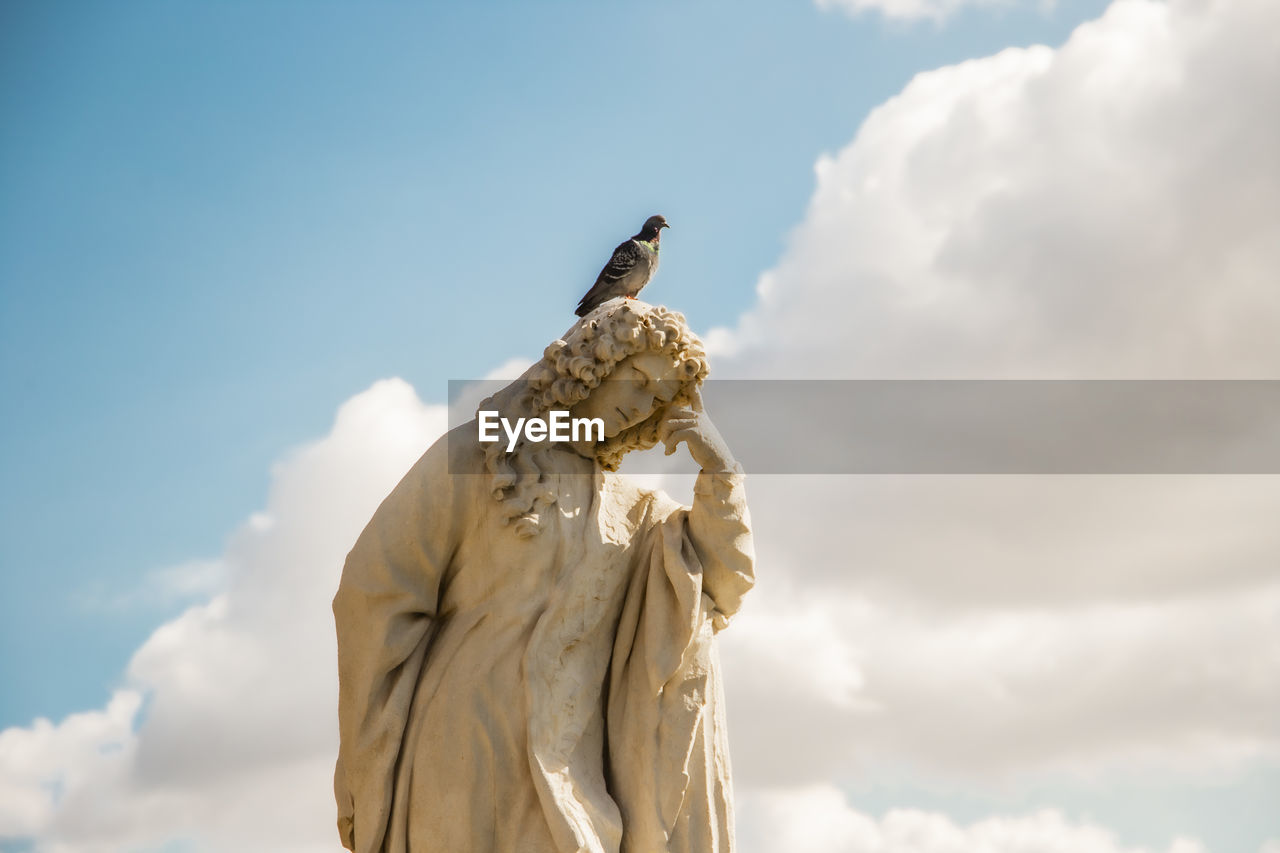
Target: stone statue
{"type": "Point", "coordinates": [525, 639]}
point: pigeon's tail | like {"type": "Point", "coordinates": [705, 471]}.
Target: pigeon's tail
{"type": "Point", "coordinates": [587, 305]}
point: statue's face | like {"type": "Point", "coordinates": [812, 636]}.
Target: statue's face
{"type": "Point", "coordinates": [638, 386]}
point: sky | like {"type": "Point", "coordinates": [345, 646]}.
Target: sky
{"type": "Point", "coordinates": [243, 248]}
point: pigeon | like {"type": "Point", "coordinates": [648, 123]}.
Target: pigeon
{"type": "Point", "coordinates": [632, 265]}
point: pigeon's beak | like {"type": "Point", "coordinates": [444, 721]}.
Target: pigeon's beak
{"type": "Point", "coordinates": [663, 225]}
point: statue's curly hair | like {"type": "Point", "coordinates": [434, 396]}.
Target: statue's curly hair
{"type": "Point", "coordinates": [571, 368]}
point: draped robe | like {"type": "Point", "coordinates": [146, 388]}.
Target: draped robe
{"type": "Point", "coordinates": [552, 694]}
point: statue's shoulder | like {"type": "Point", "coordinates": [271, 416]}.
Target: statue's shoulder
{"type": "Point", "coordinates": [432, 498]}
{"type": "Point", "coordinates": [462, 449]}
{"type": "Point", "coordinates": [451, 462]}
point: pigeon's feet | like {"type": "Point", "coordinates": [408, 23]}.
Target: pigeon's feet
{"type": "Point", "coordinates": [628, 297]}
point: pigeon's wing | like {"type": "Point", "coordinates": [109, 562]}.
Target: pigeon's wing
{"type": "Point", "coordinates": [624, 260]}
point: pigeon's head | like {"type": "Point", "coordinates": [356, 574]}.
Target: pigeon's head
{"type": "Point", "coordinates": [653, 226]}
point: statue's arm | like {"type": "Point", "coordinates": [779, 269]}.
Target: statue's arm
{"type": "Point", "coordinates": [719, 528]}
{"type": "Point", "coordinates": [383, 612]}
{"type": "Point", "coordinates": [718, 523]}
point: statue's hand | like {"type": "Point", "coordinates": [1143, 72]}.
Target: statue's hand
{"type": "Point", "coordinates": [693, 426]}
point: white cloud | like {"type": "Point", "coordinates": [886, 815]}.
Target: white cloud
{"type": "Point", "coordinates": [45, 764]}
{"type": "Point", "coordinates": [1105, 209]}
{"type": "Point", "coordinates": [817, 819]}
{"type": "Point", "coordinates": [240, 708]}
{"type": "Point", "coordinates": [978, 543]}
{"type": "Point", "coordinates": [878, 682]}
{"type": "Point", "coordinates": [194, 580]}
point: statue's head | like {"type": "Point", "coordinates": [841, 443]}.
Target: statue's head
{"type": "Point", "coordinates": [626, 362]}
